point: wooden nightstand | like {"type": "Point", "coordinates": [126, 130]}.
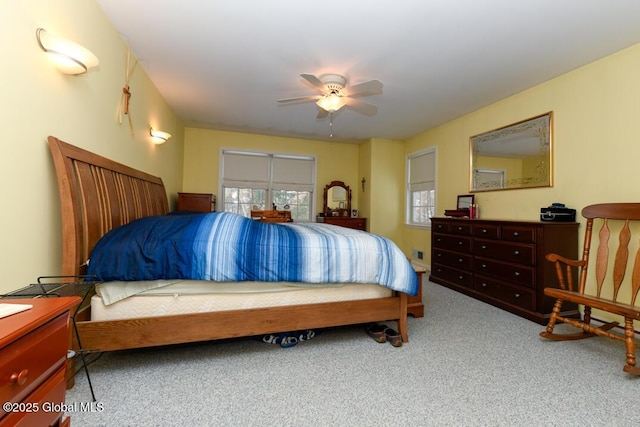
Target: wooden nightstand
{"type": "Point", "coordinates": [33, 355]}
{"type": "Point", "coordinates": [415, 306]}
{"type": "Point", "coordinates": [198, 202]}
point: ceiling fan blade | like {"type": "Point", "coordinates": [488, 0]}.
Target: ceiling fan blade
{"type": "Point", "coordinates": [372, 87]}
{"type": "Point", "coordinates": [360, 106]}
{"type": "Point", "coordinates": [314, 81]}
{"type": "Point", "coordinates": [300, 98]}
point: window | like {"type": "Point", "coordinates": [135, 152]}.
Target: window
{"type": "Point", "coordinates": [264, 180]}
{"type": "Point", "coordinates": [421, 187]}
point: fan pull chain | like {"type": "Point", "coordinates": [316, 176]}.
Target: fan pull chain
{"type": "Point", "coordinates": [330, 124]}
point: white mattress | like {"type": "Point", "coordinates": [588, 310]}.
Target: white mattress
{"type": "Point", "coordinates": [189, 297]}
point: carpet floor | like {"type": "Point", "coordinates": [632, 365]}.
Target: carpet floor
{"type": "Point", "coordinates": [466, 364]}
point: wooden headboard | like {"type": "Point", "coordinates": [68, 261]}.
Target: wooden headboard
{"type": "Point", "coordinates": [96, 195]}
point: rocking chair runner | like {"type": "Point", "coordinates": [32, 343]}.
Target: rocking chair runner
{"type": "Point", "coordinates": [604, 297]}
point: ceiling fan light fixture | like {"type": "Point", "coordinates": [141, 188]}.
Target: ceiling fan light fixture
{"type": "Point", "coordinates": [330, 102]}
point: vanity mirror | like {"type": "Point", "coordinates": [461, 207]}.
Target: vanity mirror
{"type": "Point", "coordinates": [337, 199]}
{"type": "Point", "coordinates": [514, 156]}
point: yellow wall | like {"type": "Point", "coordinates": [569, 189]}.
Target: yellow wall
{"type": "Point", "coordinates": [596, 128]}
{"type": "Point", "coordinates": [335, 161]}
{"type": "Point", "coordinates": [38, 101]}
{"type": "Point", "coordinates": [386, 187]}
{"type": "Point", "coordinates": [597, 143]}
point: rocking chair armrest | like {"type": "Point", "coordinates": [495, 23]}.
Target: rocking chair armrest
{"type": "Point", "coordinates": [559, 258]}
{"type": "Point", "coordinates": [564, 267]}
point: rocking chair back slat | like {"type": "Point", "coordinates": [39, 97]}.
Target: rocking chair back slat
{"type": "Point", "coordinates": [635, 279]}
{"type": "Point", "coordinates": [622, 255]}
{"type": "Point", "coordinates": [601, 258]}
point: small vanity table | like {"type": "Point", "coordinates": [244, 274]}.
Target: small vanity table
{"type": "Point", "coordinates": [336, 209]}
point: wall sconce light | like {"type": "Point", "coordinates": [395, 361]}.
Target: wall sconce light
{"type": "Point", "coordinates": [68, 57]}
{"type": "Point", "coordinates": [158, 137]}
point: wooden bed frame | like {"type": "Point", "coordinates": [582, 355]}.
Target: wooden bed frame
{"type": "Point", "coordinates": [98, 194]}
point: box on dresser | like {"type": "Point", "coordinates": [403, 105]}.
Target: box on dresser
{"type": "Point", "coordinates": [502, 262]}
{"type": "Point", "coordinates": [33, 354]}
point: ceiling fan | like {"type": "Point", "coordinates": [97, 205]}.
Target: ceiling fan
{"type": "Point", "coordinates": [335, 94]}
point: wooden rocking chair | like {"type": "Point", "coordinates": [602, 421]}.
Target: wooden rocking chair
{"type": "Point", "coordinates": [604, 297]}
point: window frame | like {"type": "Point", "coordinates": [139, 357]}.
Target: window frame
{"type": "Point", "coordinates": [410, 185]}
{"type": "Point", "coordinates": [267, 183]}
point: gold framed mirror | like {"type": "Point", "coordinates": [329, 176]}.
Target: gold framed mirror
{"type": "Point", "coordinates": [519, 155]}
{"type": "Point", "coordinates": [337, 199]}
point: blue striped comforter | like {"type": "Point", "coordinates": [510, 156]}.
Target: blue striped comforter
{"type": "Point", "coordinates": [228, 247]}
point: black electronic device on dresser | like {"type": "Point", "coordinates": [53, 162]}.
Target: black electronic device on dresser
{"type": "Point", "coordinates": [502, 262]}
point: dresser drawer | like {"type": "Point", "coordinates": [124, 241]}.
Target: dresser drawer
{"type": "Point", "coordinates": [486, 231]}
{"type": "Point", "coordinates": [518, 274]}
{"type": "Point", "coordinates": [25, 363]}
{"type": "Point", "coordinates": [453, 275]}
{"type": "Point", "coordinates": [519, 253]}
{"type": "Point", "coordinates": [516, 233]}
{"type": "Point", "coordinates": [453, 259]}
{"type": "Point", "coordinates": [523, 298]}
{"type": "Point", "coordinates": [438, 226]}
{"type": "Point", "coordinates": [462, 228]}
{"type": "Point", "coordinates": [451, 242]}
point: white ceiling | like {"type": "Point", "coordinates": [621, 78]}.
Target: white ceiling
{"type": "Point", "coordinates": [224, 64]}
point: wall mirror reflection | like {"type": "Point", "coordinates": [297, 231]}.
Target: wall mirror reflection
{"type": "Point", "coordinates": [515, 156]}
{"type": "Point", "coordinates": [337, 199]}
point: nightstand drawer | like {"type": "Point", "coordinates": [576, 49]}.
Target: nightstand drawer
{"type": "Point", "coordinates": [25, 363]}
{"type": "Point", "coordinates": [41, 406]}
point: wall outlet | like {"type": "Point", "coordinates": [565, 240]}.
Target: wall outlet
{"type": "Point", "coordinates": [417, 254]}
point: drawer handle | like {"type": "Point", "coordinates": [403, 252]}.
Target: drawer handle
{"type": "Point", "coordinates": [516, 252]}
{"type": "Point", "coordinates": [517, 295]}
{"type": "Point", "coordinates": [460, 277]}
{"type": "Point", "coordinates": [439, 255]}
{"type": "Point", "coordinates": [460, 260]}
{"type": "Point", "coordinates": [459, 243]}
{"type": "Point", "coordinates": [484, 285]}
{"type": "Point", "coordinates": [484, 265]}
{"type": "Point", "coordinates": [484, 230]}
{"type": "Point", "coordinates": [459, 228]}
{"type": "Point", "coordinates": [517, 273]}
{"type": "Point", "coordinates": [484, 247]}
{"type": "Point", "coordinates": [20, 378]}
{"type": "Point", "coordinates": [515, 234]}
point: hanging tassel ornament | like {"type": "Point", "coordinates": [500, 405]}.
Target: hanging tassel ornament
{"type": "Point", "coordinates": [123, 108]}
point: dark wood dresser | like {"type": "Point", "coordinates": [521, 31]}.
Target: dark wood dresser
{"type": "Point", "coordinates": [344, 221]}
{"type": "Point", "coordinates": [502, 262]}
{"type": "Point", "coordinates": [197, 202]}
{"type": "Point", "coordinates": [33, 354]}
